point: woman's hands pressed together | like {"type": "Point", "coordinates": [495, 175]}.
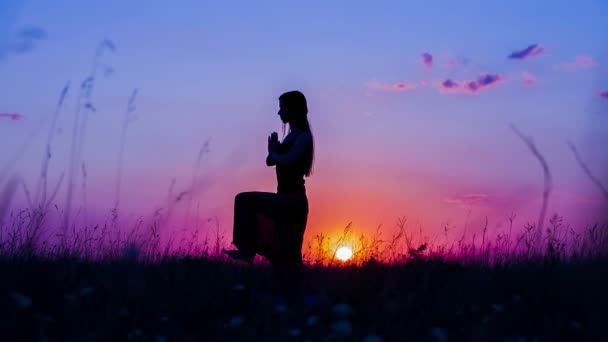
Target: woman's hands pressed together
{"type": "Point", "coordinates": [273, 142]}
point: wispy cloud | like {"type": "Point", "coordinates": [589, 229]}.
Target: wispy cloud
{"type": "Point", "coordinates": [528, 79]}
{"type": "Point", "coordinates": [399, 86]}
{"type": "Point", "coordinates": [13, 116]}
{"type": "Point", "coordinates": [469, 200]}
{"type": "Point", "coordinates": [456, 62]}
{"type": "Point", "coordinates": [482, 82]}
{"type": "Point", "coordinates": [580, 62]}
{"type": "Point", "coordinates": [27, 38]}
{"type": "Point", "coordinates": [23, 41]}
{"type": "Point", "coordinates": [427, 60]}
{"type": "Point", "coordinates": [604, 94]}
{"type": "Point", "coordinates": [574, 197]}
{"type": "Point", "coordinates": [530, 51]}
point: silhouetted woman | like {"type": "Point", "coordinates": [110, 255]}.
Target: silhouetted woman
{"type": "Point", "coordinates": [273, 224]}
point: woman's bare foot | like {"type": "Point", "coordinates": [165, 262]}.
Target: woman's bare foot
{"type": "Point", "coordinates": [236, 254]}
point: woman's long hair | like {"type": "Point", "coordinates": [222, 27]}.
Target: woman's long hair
{"type": "Point", "coordinates": [295, 102]}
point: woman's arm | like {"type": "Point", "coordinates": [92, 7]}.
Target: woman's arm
{"type": "Point", "coordinates": [298, 150]}
{"type": "Point", "coordinates": [270, 161]}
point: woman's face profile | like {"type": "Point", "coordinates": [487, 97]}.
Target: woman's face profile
{"type": "Point", "coordinates": [283, 112]}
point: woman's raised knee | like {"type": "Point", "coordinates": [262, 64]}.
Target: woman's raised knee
{"type": "Point", "coordinates": [243, 197]}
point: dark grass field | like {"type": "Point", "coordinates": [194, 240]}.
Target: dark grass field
{"type": "Point", "coordinates": [206, 299]}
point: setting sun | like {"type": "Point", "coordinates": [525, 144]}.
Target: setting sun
{"type": "Point", "coordinates": [344, 253]}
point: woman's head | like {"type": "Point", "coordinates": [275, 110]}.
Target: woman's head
{"type": "Point", "coordinates": [293, 110]}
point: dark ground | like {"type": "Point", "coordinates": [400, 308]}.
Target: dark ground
{"type": "Point", "coordinates": [206, 300]}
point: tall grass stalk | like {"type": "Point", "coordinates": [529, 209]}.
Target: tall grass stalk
{"type": "Point", "coordinates": [548, 182]}
{"type": "Point", "coordinates": [84, 193]}
{"type": "Point", "coordinates": [41, 188]}
{"type": "Point", "coordinates": [83, 107]}
{"type": "Point", "coordinates": [194, 186]}
{"type": "Point", "coordinates": [588, 172]}
{"type": "Point", "coordinates": [129, 117]}
{"type": "Point", "coordinates": [6, 196]}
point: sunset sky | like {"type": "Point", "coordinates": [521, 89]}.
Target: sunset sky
{"type": "Point", "coordinates": [410, 104]}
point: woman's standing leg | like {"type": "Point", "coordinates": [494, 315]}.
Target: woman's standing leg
{"type": "Point", "coordinates": [290, 232]}
{"type": "Point", "coordinates": [293, 233]}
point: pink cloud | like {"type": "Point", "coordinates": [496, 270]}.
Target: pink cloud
{"type": "Point", "coordinates": [482, 82]}
{"type": "Point", "coordinates": [13, 117]}
{"type": "Point", "coordinates": [604, 94]}
{"type": "Point", "coordinates": [530, 51]}
{"type": "Point", "coordinates": [469, 200]}
{"type": "Point", "coordinates": [424, 83]}
{"type": "Point", "coordinates": [427, 60]}
{"type": "Point", "coordinates": [448, 86]}
{"type": "Point", "coordinates": [399, 86]}
{"type": "Point", "coordinates": [580, 62]}
{"type": "Point", "coordinates": [528, 79]}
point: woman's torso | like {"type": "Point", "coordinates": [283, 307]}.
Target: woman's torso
{"type": "Point", "coordinates": [290, 178]}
